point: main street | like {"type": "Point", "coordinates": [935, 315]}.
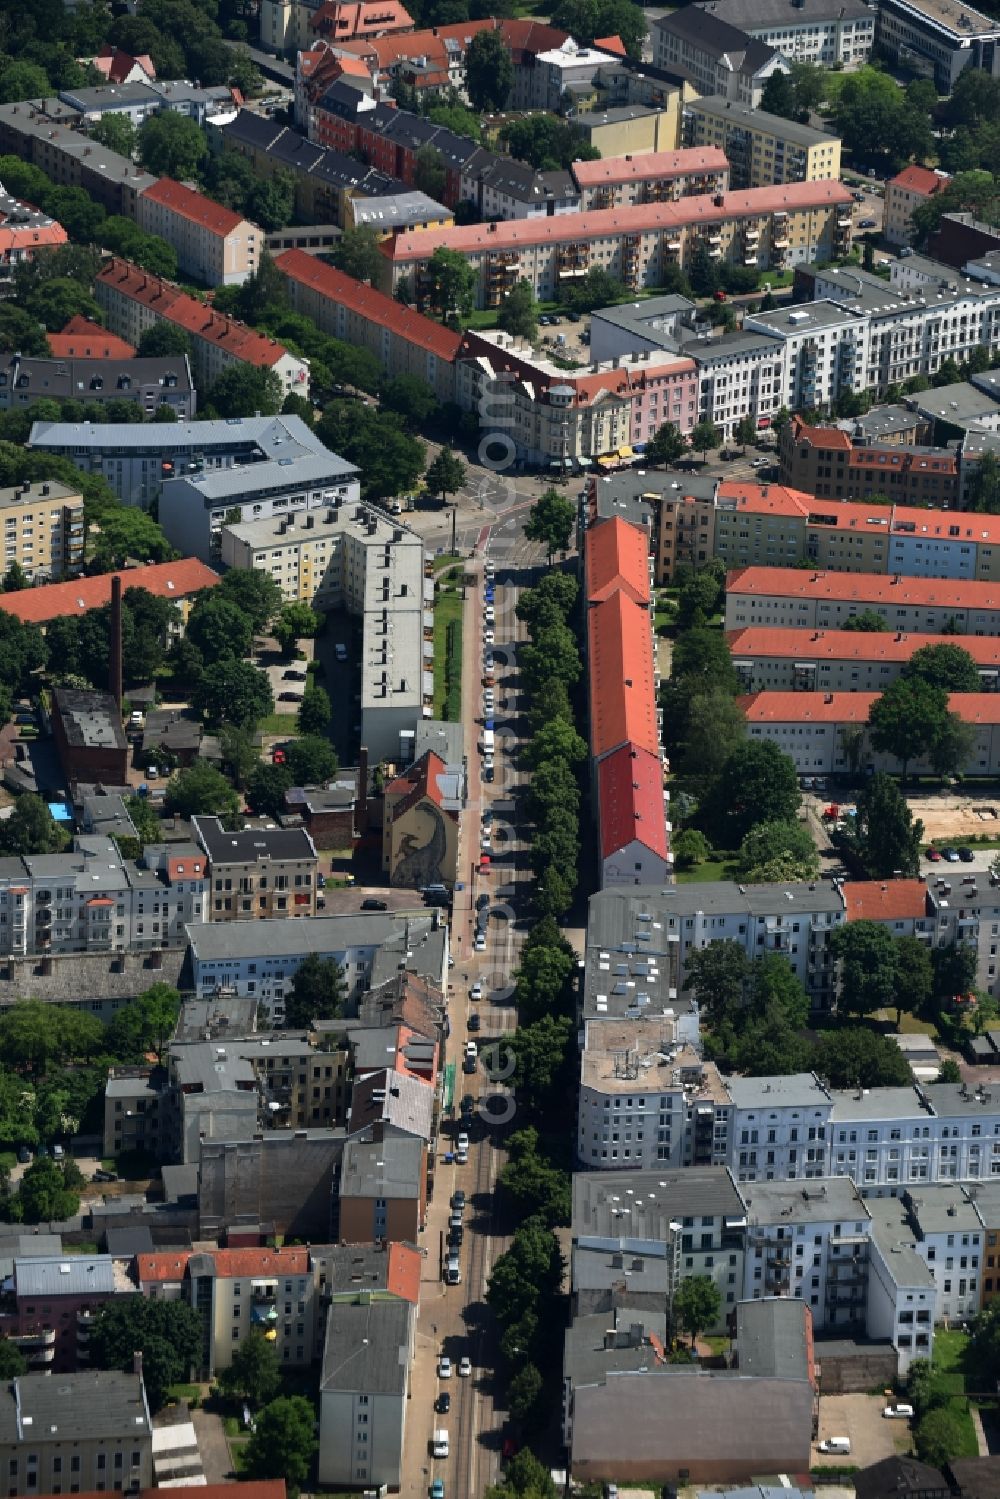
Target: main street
{"type": "Point", "coordinates": [454, 1321]}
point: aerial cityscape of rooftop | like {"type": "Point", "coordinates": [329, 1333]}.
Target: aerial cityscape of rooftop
{"type": "Point", "coordinates": [500, 748]}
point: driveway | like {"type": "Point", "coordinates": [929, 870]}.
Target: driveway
{"type": "Point", "coordinates": [860, 1418]}
{"type": "Point", "coordinates": [213, 1446]}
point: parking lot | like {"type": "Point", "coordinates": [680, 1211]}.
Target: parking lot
{"type": "Point", "coordinates": [860, 1418]}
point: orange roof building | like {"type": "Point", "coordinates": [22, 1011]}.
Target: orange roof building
{"type": "Point", "coordinates": [910, 188]}
{"type": "Point", "coordinates": [769, 657]}
{"type": "Point", "coordinates": [617, 180]}
{"type": "Point", "coordinates": [823, 600]}
{"type": "Point", "coordinates": [178, 581]}
{"type": "Point", "coordinates": [404, 341]}
{"type": "Point", "coordinates": [885, 900]}
{"type": "Point", "coordinates": [622, 677]}
{"type": "Point", "coordinates": [616, 556]}
{"type": "Point", "coordinates": [351, 20]}
{"type": "Point", "coordinates": [819, 730]}
{"type": "Point", "coordinates": [82, 338]}
{"type": "Point", "coordinates": [632, 824]}
{"type": "Point", "coordinates": [117, 66]}
{"type": "Point", "coordinates": [133, 300]}
{"type": "Point", "coordinates": [214, 244]}
{"type": "Point", "coordinates": [24, 233]}
{"type": "Point", "coordinates": [632, 242]}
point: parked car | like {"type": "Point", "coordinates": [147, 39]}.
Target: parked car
{"type": "Point", "coordinates": [289, 697]}
{"type": "Point", "coordinates": [464, 1367]}
{"type": "Point", "coordinates": [437, 1489]}
{"type": "Point", "coordinates": [479, 943]}
{"type": "Point", "coordinates": [868, 224]}
{"type": "Point", "coordinates": [966, 855]}
{"type": "Point", "coordinates": [934, 854]}
{"type": "Point", "coordinates": [278, 756]}
{"type": "Point", "coordinates": [443, 1405]}
{"type": "Point", "coordinates": [898, 1411]}
{"type": "Point", "coordinates": [371, 904]}
{"type": "Point", "coordinates": [340, 651]}
{"type": "Point", "coordinates": [293, 674]}
{"type": "Point", "coordinates": [476, 992]}
{"type": "Point", "coordinates": [950, 855]}
{"type": "Point", "coordinates": [444, 1367]}
{"type": "Point", "coordinates": [475, 1021]}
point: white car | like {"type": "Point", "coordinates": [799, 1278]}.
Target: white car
{"type": "Point", "coordinates": [898, 1411]}
{"type": "Point", "coordinates": [462, 1143]}
{"type": "Point", "coordinates": [484, 841]}
{"type": "Point", "coordinates": [465, 1367]}
{"type": "Point", "coordinates": [489, 613]}
{"type": "Point", "coordinates": [476, 992]}
{"type": "Point", "coordinates": [480, 943]}
{"type": "Point", "coordinates": [444, 1367]}
{"type": "Point", "coordinates": [461, 1157]}
{"type": "Point", "coordinates": [489, 635]}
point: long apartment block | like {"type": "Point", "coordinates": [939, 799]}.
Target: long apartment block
{"type": "Point", "coordinates": [42, 529]}
{"type": "Point", "coordinates": [821, 600]}
{"type": "Point", "coordinates": [773, 227]}
{"type": "Point", "coordinates": [762, 149]}
{"type": "Point", "coordinates": [824, 733]}
{"type": "Point", "coordinates": [778, 659]}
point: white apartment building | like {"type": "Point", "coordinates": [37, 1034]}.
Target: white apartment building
{"type": "Point", "coordinates": [902, 1296]}
{"type": "Point", "coordinates": [838, 660]}
{"type": "Point", "coordinates": [92, 900]}
{"type": "Point", "coordinates": [720, 57]}
{"type": "Point", "coordinates": [824, 600]}
{"type": "Point", "coordinates": [740, 374]}
{"type": "Point", "coordinates": [900, 1137]}
{"type": "Point", "coordinates": [779, 1127]}
{"type": "Point", "coordinates": [357, 557]}
{"type": "Point", "coordinates": [213, 244]}
{"type": "Point", "coordinates": [828, 32]}
{"type": "Point", "coordinates": [810, 1243]}
{"type": "Point", "coordinates": [242, 1291]}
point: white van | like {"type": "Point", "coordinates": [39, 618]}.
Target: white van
{"type": "Point", "coordinates": [839, 1445]}
{"type": "Point", "coordinates": [439, 1444]}
{"type": "Point", "coordinates": [487, 743]}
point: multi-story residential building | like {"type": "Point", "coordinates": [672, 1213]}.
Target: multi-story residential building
{"type": "Point", "coordinates": [43, 529]}
{"type": "Point", "coordinates": [177, 581]}
{"type": "Point", "coordinates": [811, 1243]}
{"type": "Point", "coordinates": [677, 514]}
{"type": "Point", "coordinates": [133, 301]}
{"type": "Point", "coordinates": [811, 31]}
{"type": "Point", "coordinates": [82, 338]}
{"type": "Point", "coordinates": [774, 526]}
{"type": "Point", "coordinates": [937, 38]}
{"type": "Point", "coordinates": [76, 1434]}
{"type": "Point", "coordinates": [779, 1126]}
{"type": "Point", "coordinates": [827, 461]}
{"type": "Point", "coordinates": [571, 417]}
{"type": "Point", "coordinates": [135, 1111]}
{"type": "Point", "coordinates": [902, 1294]}
{"type": "Point", "coordinates": [824, 600]}
{"type": "Point", "coordinates": [656, 176]}
{"type": "Point", "coordinates": [823, 732]}
{"type": "Point", "coordinates": [137, 459]}
{"type": "Point", "coordinates": [240, 1291]}
{"type": "Point", "coordinates": [261, 963]}
{"type": "Point", "coordinates": [382, 1188]}
{"type": "Point", "coordinates": [741, 374]}
{"type": "Point", "coordinates": [140, 98]}
{"type": "Point", "coordinates": [762, 149]}
{"type": "Point", "coordinates": [646, 1101]}
{"type": "Point", "coordinates": [661, 1225]}
{"type": "Point", "coordinates": [24, 233]}
{"type": "Point", "coordinates": [405, 342]}
{"type": "Point", "coordinates": [92, 900]}
{"type": "Point", "coordinates": [719, 57]}
{"type": "Point", "coordinates": [768, 658]}
{"type": "Point", "coordinates": [909, 189]}
{"type": "Point", "coordinates": [150, 383]}
{"type": "Point", "coordinates": [295, 479]}
{"type": "Point", "coordinates": [214, 245]}
{"type": "Point", "coordinates": [44, 132]}
{"type": "Point", "coordinates": [51, 1306]}
{"type": "Point", "coordinates": [949, 1235]}
{"type": "Point", "coordinates": [363, 1392]}
{"type": "Point", "coordinates": [349, 20]}
{"type": "Point", "coordinates": [258, 873]}
{"type": "Point", "coordinates": [774, 227]}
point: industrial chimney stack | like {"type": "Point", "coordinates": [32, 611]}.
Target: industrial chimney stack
{"type": "Point", "coordinates": [115, 682]}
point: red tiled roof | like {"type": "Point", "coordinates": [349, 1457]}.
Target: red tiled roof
{"type": "Point", "coordinates": [820, 437]}
{"type": "Point", "coordinates": [373, 305]}
{"type": "Point", "coordinates": [403, 1279]}
{"type": "Point", "coordinates": [167, 580]}
{"type": "Point", "coordinates": [708, 208]}
{"type": "Point", "coordinates": [31, 236]}
{"type": "Point", "coordinates": [884, 900]}
{"type": "Point", "coordinates": [82, 338]}
{"type": "Point", "coordinates": [163, 1266]}
{"type": "Point", "coordinates": [169, 302]}
{"type": "Point", "coordinates": [622, 687]}
{"type": "Point", "coordinates": [353, 18]}
{"type": "Point", "coordinates": [808, 707]}
{"type": "Point", "coordinates": [617, 556]}
{"type": "Point", "coordinates": [691, 161]}
{"type": "Point", "coordinates": [919, 180]}
{"type": "Point", "coordinates": [179, 868]}
{"type": "Point", "coordinates": [854, 707]}
{"type": "Point", "coordinates": [116, 65]}
{"type": "Point", "coordinates": [864, 588]}
{"type": "Point", "coordinates": [630, 801]}
{"type": "Point", "coordinates": [418, 781]}
{"type": "Point", "coordinates": [194, 206]}
{"type": "Point", "coordinates": [787, 643]}
{"type": "Point", "coordinates": [610, 44]}
{"type": "Point", "coordinates": [231, 1264]}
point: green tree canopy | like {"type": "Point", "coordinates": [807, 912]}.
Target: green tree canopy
{"type": "Point", "coordinates": [31, 828]}
{"type": "Point", "coordinates": [886, 837]}
{"type": "Point", "coordinates": [855, 1057]}
{"type": "Point", "coordinates": [757, 783]}
{"type": "Point", "coordinates": [866, 953]}
{"type": "Point", "coordinates": [446, 474]}
{"type": "Point", "coordinates": [244, 389]}
{"type": "Point", "coordinates": [145, 1024]}
{"type": "Point", "coordinates": [283, 1441]}
{"type": "Point", "coordinates": [255, 593]}
{"type": "Point", "coordinates": [868, 621]}
{"type": "Point", "coordinates": [697, 1304]}
{"type": "Point", "coordinates": [666, 445]}
{"type": "Point", "coordinates": [946, 666]}
{"type": "Point", "coordinates": [172, 145]}
{"type": "Point", "coordinates": [43, 1196]}
{"type": "Point", "coordinates": [254, 1373]}
{"type": "Point", "coordinates": [518, 313]}
{"type": "Point", "coordinates": [907, 718]}
{"type": "Point", "coordinates": [311, 760]}
{"type": "Point", "coordinates": [318, 992]}
{"type": "Point", "coordinates": [200, 790]}
{"type": "Point", "coordinates": [778, 851]}
{"type": "Point", "coordinates": [551, 522]}
{"type": "Point", "coordinates": [489, 72]}
{"type": "Point", "coordinates": [357, 253]}
{"type": "Point", "coordinates": [233, 692]}
{"type": "Point", "coordinates": [218, 627]}
{"type": "Point", "coordinates": [170, 1331]}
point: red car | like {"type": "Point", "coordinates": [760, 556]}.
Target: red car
{"type": "Point", "coordinates": [484, 864]}
{"type": "Point", "coordinates": [278, 756]}
{"type": "Point", "coordinates": [934, 854]}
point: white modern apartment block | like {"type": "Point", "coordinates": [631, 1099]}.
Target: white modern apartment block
{"type": "Point", "coordinates": [92, 900]}
{"type": "Point", "coordinates": [828, 32]}
{"type": "Point", "coordinates": [901, 1304]}
{"type": "Point", "coordinates": [779, 1127]}
{"type": "Point", "coordinates": [811, 1243]}
{"type": "Point", "coordinates": [899, 1137]}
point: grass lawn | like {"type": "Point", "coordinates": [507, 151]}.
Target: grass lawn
{"type": "Point", "coordinates": [950, 1347]}
{"type": "Point", "coordinates": [712, 869]}
{"type": "Point", "coordinates": [446, 560]}
{"type": "Point", "coordinates": [279, 723]}
{"type": "Point", "coordinates": [186, 1392]}
{"type": "Point", "coordinates": [485, 317]}
{"type": "Point", "coordinates": [8, 1160]}
{"type": "Point", "coordinates": [448, 670]}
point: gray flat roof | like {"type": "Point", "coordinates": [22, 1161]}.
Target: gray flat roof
{"type": "Point", "coordinates": [771, 1338]}
{"type": "Point", "coordinates": [894, 1235]}
{"type": "Point", "coordinates": [807, 317]}
{"type": "Point", "coordinates": [73, 1407]}
{"type": "Point", "coordinates": [637, 1207]}
{"type": "Point", "coordinates": [251, 845]}
{"type": "Point", "coordinates": [275, 436]}
{"type": "Point", "coordinates": [961, 402]}
{"type": "Point", "coordinates": [761, 15]}
{"type": "Point", "coordinates": [799, 1090]}
{"type": "Point", "coordinates": [833, 1198]}
{"type": "Point", "coordinates": [881, 420]}
{"type": "Point", "coordinates": [212, 941]}
{"type": "Point", "coordinates": [382, 1168]}
{"type": "Point", "coordinates": [587, 1359]}
{"type": "Point", "coordinates": [367, 1347]}
{"type": "Point", "coordinates": [65, 1275]}
{"type": "Point", "coordinates": [942, 1208]}
{"type": "Point", "coordinates": [850, 1104]}
{"type": "Point", "coordinates": [91, 720]}
{"type": "Point", "coordinates": [210, 1066]}
{"type": "Point", "coordinates": [739, 341]}
{"type": "Point", "coordinates": [741, 115]}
